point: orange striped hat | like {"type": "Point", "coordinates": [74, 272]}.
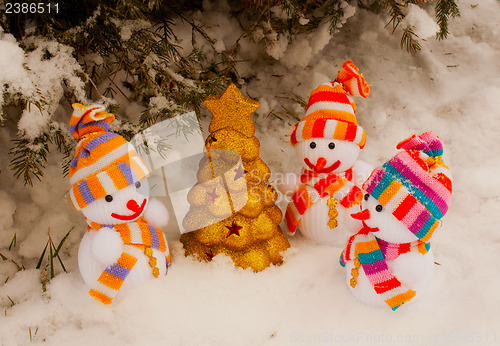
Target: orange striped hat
{"type": "Point", "coordinates": [104, 161]}
{"type": "Point", "coordinates": [331, 112]}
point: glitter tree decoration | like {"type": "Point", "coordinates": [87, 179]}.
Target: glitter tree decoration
{"type": "Point", "coordinates": [232, 207]}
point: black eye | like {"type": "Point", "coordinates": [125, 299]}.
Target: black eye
{"type": "Point", "coordinates": [366, 197]}
{"type": "Point", "coordinates": [378, 208]}
{"type": "Point", "coordinates": [331, 145]}
{"type": "Point", "coordinates": [312, 145]}
{"type": "Point", "coordinates": [108, 198]}
{"type": "Point", "coordinates": [137, 184]}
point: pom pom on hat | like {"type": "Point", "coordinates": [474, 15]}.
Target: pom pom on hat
{"type": "Point", "coordinates": [331, 111]}
{"type": "Point", "coordinates": [415, 185]}
{"type": "Point", "coordinates": [89, 120]}
{"type": "Point", "coordinates": [104, 162]}
{"type": "Point", "coordinates": [353, 81]}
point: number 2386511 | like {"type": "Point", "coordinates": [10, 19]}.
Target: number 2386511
{"type": "Point", "coordinates": [31, 8]}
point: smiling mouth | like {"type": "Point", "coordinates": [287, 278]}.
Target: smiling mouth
{"type": "Point", "coordinates": [328, 169]}
{"type": "Point", "coordinates": [133, 216]}
{"type": "Point", "coordinates": [370, 229]}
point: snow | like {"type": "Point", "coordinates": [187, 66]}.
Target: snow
{"type": "Point", "coordinates": [451, 87]}
{"type": "Point", "coordinates": [424, 25]}
{"type": "Point", "coordinates": [39, 74]}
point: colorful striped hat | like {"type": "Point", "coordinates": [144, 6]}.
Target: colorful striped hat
{"type": "Point", "coordinates": [331, 112]}
{"type": "Point", "coordinates": [415, 185]}
{"type": "Point", "coordinates": [104, 161]}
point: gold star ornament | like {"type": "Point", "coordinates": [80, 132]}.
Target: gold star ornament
{"type": "Point", "coordinates": [232, 109]}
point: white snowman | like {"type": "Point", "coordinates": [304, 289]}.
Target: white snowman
{"type": "Point", "coordinates": [327, 142]}
{"type": "Point", "coordinates": [389, 261]}
{"type": "Point", "coordinates": [124, 245]}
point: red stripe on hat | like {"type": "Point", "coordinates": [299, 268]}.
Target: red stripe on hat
{"type": "Point", "coordinates": [350, 133]}
{"type": "Point", "coordinates": [404, 207]}
{"type": "Point", "coordinates": [323, 95]}
{"type": "Point", "coordinates": [318, 130]}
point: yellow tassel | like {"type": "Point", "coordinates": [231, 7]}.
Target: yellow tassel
{"type": "Point", "coordinates": [355, 272]}
{"type": "Point", "coordinates": [332, 213]}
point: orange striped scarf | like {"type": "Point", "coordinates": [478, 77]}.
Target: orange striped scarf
{"type": "Point", "coordinates": [138, 237]}
{"type": "Point", "coordinates": [316, 188]}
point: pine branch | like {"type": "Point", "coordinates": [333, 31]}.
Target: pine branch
{"type": "Point", "coordinates": [444, 10]}
{"type": "Point", "coordinates": [409, 40]}
{"type": "Point", "coordinates": [395, 11]}
{"type": "Point", "coordinates": [29, 158]}
{"type": "Point", "coordinates": [334, 12]}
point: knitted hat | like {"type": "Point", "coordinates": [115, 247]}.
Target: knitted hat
{"type": "Point", "coordinates": [415, 185]}
{"type": "Point", "coordinates": [331, 112]}
{"type": "Point", "coordinates": [104, 161]}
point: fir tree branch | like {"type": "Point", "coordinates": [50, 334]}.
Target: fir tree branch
{"type": "Point", "coordinates": [409, 40]}
{"type": "Point", "coordinates": [444, 10]}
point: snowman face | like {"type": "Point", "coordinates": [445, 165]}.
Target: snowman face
{"type": "Point", "coordinates": [123, 206]}
{"type": "Point", "coordinates": [389, 228]}
{"type": "Point", "coordinates": [325, 155]}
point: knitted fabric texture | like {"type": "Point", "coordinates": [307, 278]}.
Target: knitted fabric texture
{"type": "Point", "coordinates": [316, 188]}
{"type": "Point", "coordinates": [104, 162]}
{"type": "Point", "coordinates": [415, 185]}
{"type": "Point", "coordinates": [136, 236]}
{"type": "Point", "coordinates": [373, 253]}
{"type": "Point", "coordinates": [331, 112]}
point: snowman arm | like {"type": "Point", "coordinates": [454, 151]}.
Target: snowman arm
{"type": "Point", "coordinates": [360, 172]}
{"type": "Point", "coordinates": [290, 183]}
{"type": "Point", "coordinates": [156, 213]}
{"type": "Point", "coordinates": [107, 246]}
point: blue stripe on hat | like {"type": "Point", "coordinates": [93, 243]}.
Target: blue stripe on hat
{"type": "Point", "coordinates": [85, 191]}
{"type": "Point", "coordinates": [127, 172]}
{"type": "Point", "coordinates": [428, 203]}
{"type": "Point", "coordinates": [426, 227]}
{"type": "Point", "coordinates": [383, 184]}
{"type": "Point", "coordinates": [95, 142]}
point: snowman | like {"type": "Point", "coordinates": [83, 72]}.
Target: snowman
{"type": "Point", "coordinates": [124, 245]}
{"type": "Point", "coordinates": [327, 142]}
{"type": "Point", "coordinates": [389, 261]}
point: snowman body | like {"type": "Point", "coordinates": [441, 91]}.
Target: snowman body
{"type": "Point", "coordinates": [314, 223]}
{"type": "Point", "coordinates": [91, 267]}
{"type": "Point", "coordinates": [99, 249]}
{"type": "Point", "coordinates": [413, 269]}
{"type": "Point", "coordinates": [326, 156]}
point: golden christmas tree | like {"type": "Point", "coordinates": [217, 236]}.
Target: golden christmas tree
{"type": "Point", "coordinates": [232, 206]}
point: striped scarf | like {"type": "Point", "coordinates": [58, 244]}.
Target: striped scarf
{"type": "Point", "coordinates": [316, 188]}
{"type": "Point", "coordinates": [139, 238]}
{"type": "Point", "coordinates": [372, 254]}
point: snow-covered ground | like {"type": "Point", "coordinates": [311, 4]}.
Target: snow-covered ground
{"type": "Point", "coordinates": [451, 87]}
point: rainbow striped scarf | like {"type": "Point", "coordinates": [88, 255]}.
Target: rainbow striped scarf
{"type": "Point", "coordinates": [316, 188]}
{"type": "Point", "coordinates": [372, 253]}
{"type": "Point", "coordinates": [139, 238]}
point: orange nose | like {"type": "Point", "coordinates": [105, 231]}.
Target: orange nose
{"type": "Point", "coordinates": [132, 205]}
{"type": "Point", "coordinates": [320, 164]}
{"type": "Point", "coordinates": [362, 215]}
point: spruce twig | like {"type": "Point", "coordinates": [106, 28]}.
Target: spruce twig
{"type": "Point", "coordinates": [444, 10]}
